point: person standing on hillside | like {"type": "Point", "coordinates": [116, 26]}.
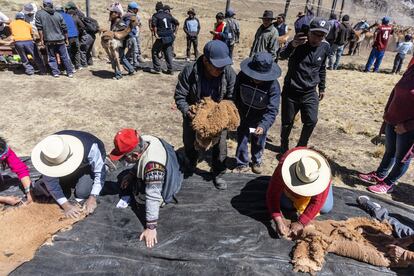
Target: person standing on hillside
{"type": "Point", "coordinates": [192, 29]}
{"type": "Point", "coordinates": [265, 39]}
{"type": "Point", "coordinates": [344, 34]}
{"type": "Point", "coordinates": [402, 50]}
{"type": "Point", "coordinates": [210, 76]}
{"type": "Point", "coordinates": [382, 35]}
{"type": "Point", "coordinates": [162, 28]}
{"type": "Point", "coordinates": [232, 31]}
{"type": "Point", "coordinates": [53, 34]}
{"type": "Point", "coordinates": [399, 137]}
{"type": "Point", "coordinates": [22, 33]}
{"type": "Point", "coordinates": [307, 56]}
{"type": "Point", "coordinates": [219, 28]}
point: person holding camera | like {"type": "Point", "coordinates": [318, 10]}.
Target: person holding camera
{"type": "Point", "coordinates": [307, 54]}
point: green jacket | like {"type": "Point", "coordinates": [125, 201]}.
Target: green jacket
{"type": "Point", "coordinates": [265, 40]}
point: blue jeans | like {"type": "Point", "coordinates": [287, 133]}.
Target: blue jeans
{"type": "Point", "coordinates": [287, 204]}
{"type": "Point", "coordinates": [337, 51]}
{"type": "Point", "coordinates": [25, 48]}
{"type": "Point", "coordinates": [400, 230]}
{"type": "Point", "coordinates": [52, 50]}
{"type": "Point", "coordinates": [395, 161]}
{"type": "Point", "coordinates": [124, 61]}
{"type": "Point", "coordinates": [257, 145]}
{"type": "Point", "coordinates": [376, 56]}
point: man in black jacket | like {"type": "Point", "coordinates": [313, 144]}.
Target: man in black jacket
{"type": "Point", "coordinates": [162, 24]}
{"type": "Point", "coordinates": [210, 76]}
{"type": "Point", "coordinates": [306, 69]}
{"type": "Point", "coordinates": [344, 34]}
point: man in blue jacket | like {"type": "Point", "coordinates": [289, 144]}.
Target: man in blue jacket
{"type": "Point", "coordinates": [73, 37]}
{"type": "Point", "coordinates": [257, 97]}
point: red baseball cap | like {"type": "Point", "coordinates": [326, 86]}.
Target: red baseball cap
{"type": "Point", "coordinates": [125, 141]}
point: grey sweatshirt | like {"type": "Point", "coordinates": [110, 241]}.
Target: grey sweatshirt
{"type": "Point", "coordinates": [52, 24]}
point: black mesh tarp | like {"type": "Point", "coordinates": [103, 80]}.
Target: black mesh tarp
{"type": "Point", "coordinates": [209, 232]}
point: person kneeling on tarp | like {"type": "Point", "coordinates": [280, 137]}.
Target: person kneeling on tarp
{"type": "Point", "coordinates": [301, 183]}
{"type": "Point", "coordinates": [68, 159]}
{"type": "Point", "coordinates": [156, 173]}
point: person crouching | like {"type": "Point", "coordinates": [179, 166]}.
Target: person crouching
{"type": "Point", "coordinates": [301, 183]}
{"type": "Point", "coordinates": [257, 97]}
{"type": "Point", "coordinates": [156, 174]}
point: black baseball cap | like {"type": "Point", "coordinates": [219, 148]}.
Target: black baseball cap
{"type": "Point", "coordinates": [217, 52]}
{"type": "Point", "coordinates": [319, 24]}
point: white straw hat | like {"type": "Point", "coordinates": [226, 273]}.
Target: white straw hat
{"type": "Point", "coordinates": [306, 172]}
{"type": "Point", "coordinates": [57, 155]}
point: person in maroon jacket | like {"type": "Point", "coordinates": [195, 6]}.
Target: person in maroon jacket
{"type": "Point", "coordinates": [300, 183]}
{"type": "Point", "coordinates": [382, 35]}
{"type": "Point", "coordinates": [399, 137]}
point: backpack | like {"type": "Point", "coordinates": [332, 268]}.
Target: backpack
{"type": "Point", "coordinates": [91, 25]}
{"type": "Point", "coordinates": [232, 32]}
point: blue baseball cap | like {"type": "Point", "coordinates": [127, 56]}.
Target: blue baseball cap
{"type": "Point", "coordinates": [47, 2]}
{"type": "Point", "coordinates": [217, 52]}
{"type": "Point", "coordinates": [20, 15]}
{"type": "Point", "coordinates": [133, 5]}
{"type": "Point", "coordinates": [386, 20]}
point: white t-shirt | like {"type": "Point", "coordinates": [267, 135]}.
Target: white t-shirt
{"type": "Point", "coordinates": [3, 18]}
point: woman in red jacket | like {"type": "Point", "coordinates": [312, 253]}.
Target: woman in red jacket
{"type": "Point", "coordinates": [9, 158]}
{"type": "Point", "coordinates": [301, 183]}
{"type": "Point", "coordinates": [399, 137]}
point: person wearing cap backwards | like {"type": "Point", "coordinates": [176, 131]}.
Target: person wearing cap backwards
{"type": "Point", "coordinates": [307, 55]}
{"type": "Point", "coordinates": [301, 183]}
{"type": "Point", "coordinates": [156, 174]}
{"type": "Point", "coordinates": [257, 97]}
{"type": "Point", "coordinates": [23, 36]}
{"type": "Point", "coordinates": [68, 159]}
{"type": "Point", "coordinates": [192, 29]}
{"type": "Point", "coordinates": [232, 31]}
{"type": "Point", "coordinates": [383, 33]}
{"type": "Point", "coordinates": [344, 34]}
{"type": "Point", "coordinates": [265, 39]}
{"type": "Point", "coordinates": [402, 50]}
{"type": "Point", "coordinates": [133, 41]}
{"type": "Point", "coordinates": [210, 76]}
{"type": "Point", "coordinates": [162, 24]}
{"type": "Point", "coordinates": [53, 34]}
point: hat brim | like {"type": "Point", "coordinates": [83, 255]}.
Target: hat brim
{"type": "Point", "coordinates": [220, 63]}
{"type": "Point", "coordinates": [271, 75]}
{"type": "Point", "coordinates": [65, 168]}
{"type": "Point", "coordinates": [115, 155]}
{"type": "Point", "coordinates": [294, 184]}
{"type": "Point", "coordinates": [319, 30]}
{"type": "Point", "coordinates": [273, 18]}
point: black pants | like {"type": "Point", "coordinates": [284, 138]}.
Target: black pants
{"type": "Point", "coordinates": [191, 40]}
{"type": "Point", "coordinates": [398, 62]}
{"type": "Point", "coordinates": [167, 50]}
{"type": "Point", "coordinates": [74, 51]}
{"type": "Point", "coordinates": [219, 151]}
{"type": "Point", "coordinates": [292, 103]}
{"type": "Point", "coordinates": [86, 47]}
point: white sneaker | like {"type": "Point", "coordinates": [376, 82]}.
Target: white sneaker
{"type": "Point", "coordinates": [70, 75]}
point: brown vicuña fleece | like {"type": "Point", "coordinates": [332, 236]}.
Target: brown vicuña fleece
{"type": "Point", "coordinates": [359, 238]}
{"type": "Point", "coordinates": [211, 119]}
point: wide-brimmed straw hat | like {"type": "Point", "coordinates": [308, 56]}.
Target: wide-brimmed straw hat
{"type": "Point", "coordinates": [261, 67]}
{"type": "Point", "coordinates": [57, 155]}
{"type": "Point", "coordinates": [306, 172]}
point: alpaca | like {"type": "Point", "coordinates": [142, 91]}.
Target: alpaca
{"type": "Point", "coordinates": [111, 42]}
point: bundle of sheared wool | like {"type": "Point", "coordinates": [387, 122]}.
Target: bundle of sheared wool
{"type": "Point", "coordinates": [211, 118]}
{"type": "Point", "coordinates": [359, 238]}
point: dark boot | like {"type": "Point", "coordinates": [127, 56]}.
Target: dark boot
{"type": "Point", "coordinates": [219, 181]}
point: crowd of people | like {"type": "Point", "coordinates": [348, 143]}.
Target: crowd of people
{"type": "Point", "coordinates": [301, 182]}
